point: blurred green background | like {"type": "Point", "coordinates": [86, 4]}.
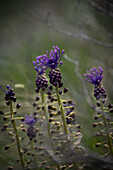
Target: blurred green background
{"type": "Point", "coordinates": [29, 28]}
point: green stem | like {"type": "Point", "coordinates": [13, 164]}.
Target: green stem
{"type": "Point", "coordinates": [16, 134]}
{"type": "Point", "coordinates": [47, 121]}
{"type": "Point", "coordinates": [62, 112]}
{"type": "Point", "coordinates": [65, 126]}
{"type": "Point", "coordinates": [46, 113]}
{"type": "Point", "coordinates": [109, 141]}
{"type": "Point", "coordinates": [35, 160]}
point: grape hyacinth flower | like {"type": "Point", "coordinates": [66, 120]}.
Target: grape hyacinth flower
{"type": "Point", "coordinates": [94, 76]}
{"type": "Point", "coordinates": [54, 63]}
{"type": "Point", "coordinates": [49, 60]}
{"type": "Point", "coordinates": [9, 94]}
{"type": "Point", "coordinates": [31, 130]}
{"type": "Point", "coordinates": [10, 98]}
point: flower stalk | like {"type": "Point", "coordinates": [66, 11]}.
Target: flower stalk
{"type": "Point", "coordinates": [16, 135]}
{"type": "Point", "coordinates": [35, 160]}
{"type": "Point", "coordinates": [46, 113]}
{"type": "Point", "coordinates": [47, 121]}
{"type": "Point", "coordinates": [62, 112]}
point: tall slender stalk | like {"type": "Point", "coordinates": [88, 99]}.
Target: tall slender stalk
{"type": "Point", "coordinates": [47, 121]}
{"type": "Point", "coordinates": [62, 112]}
{"type": "Point", "coordinates": [35, 161]}
{"type": "Point", "coordinates": [109, 141]}
{"type": "Point", "coordinates": [75, 163]}
{"type": "Point", "coordinates": [16, 134]}
{"type": "Point", "coordinates": [46, 114]}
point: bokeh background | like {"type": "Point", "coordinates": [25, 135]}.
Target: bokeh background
{"type": "Point", "coordinates": [83, 28]}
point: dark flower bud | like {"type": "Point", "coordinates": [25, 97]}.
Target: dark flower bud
{"type": "Point", "coordinates": [18, 106]}
{"type": "Point", "coordinates": [52, 99]}
{"type": "Point", "coordinates": [7, 103]}
{"type": "Point", "coordinates": [97, 145]}
{"type": "Point", "coordinates": [49, 92]}
{"type": "Point", "coordinates": [5, 118]}
{"type": "Point", "coordinates": [69, 101]}
{"type": "Point", "coordinates": [50, 88]}
{"type": "Point", "coordinates": [10, 168]}
{"type": "Point", "coordinates": [37, 98]}
{"type": "Point", "coordinates": [110, 106]}
{"type": "Point", "coordinates": [6, 147]}
{"type": "Point", "coordinates": [96, 117]}
{"type": "Point", "coordinates": [40, 148]}
{"type": "Point", "coordinates": [111, 110]}
{"type": "Point", "coordinates": [64, 101]}
{"type": "Point", "coordinates": [6, 98]}
{"type": "Point", "coordinates": [34, 104]}
{"type": "Point", "coordinates": [50, 107]}
{"type": "Point", "coordinates": [106, 146]}
{"type": "Point", "coordinates": [22, 119]}
{"type": "Point", "coordinates": [11, 98]}
{"type": "Point", "coordinates": [98, 104]}
{"type": "Point", "coordinates": [65, 90]}
{"type": "Point", "coordinates": [29, 153]}
{"type": "Point", "coordinates": [42, 107]}
{"type": "Point", "coordinates": [12, 120]}
{"type": "Point", "coordinates": [23, 129]}
{"type": "Point", "coordinates": [14, 112]}
{"type": "Point", "coordinates": [63, 167]}
{"type": "Point", "coordinates": [37, 90]}
{"type": "Point", "coordinates": [95, 124]}
{"type": "Point", "coordinates": [78, 126]}
{"type": "Point", "coordinates": [40, 133]}
{"type": "Point", "coordinates": [1, 112]}
{"type": "Point", "coordinates": [100, 123]}
{"type": "Point", "coordinates": [60, 92]}
{"type": "Point", "coordinates": [59, 112]}
{"type": "Point", "coordinates": [35, 140]}
{"type": "Point", "coordinates": [51, 120]}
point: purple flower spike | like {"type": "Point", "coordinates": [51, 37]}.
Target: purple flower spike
{"type": "Point", "coordinates": [49, 60]}
{"type": "Point", "coordinates": [54, 58]}
{"type": "Point", "coordinates": [30, 120]}
{"type": "Point", "coordinates": [94, 76]}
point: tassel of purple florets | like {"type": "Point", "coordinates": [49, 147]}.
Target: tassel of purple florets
{"type": "Point", "coordinates": [94, 76]}
{"type": "Point", "coordinates": [50, 60]}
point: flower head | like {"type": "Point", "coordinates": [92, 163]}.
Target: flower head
{"type": "Point", "coordinates": [54, 58]}
{"type": "Point", "coordinates": [29, 120]}
{"type": "Point", "coordinates": [94, 76]}
{"type": "Point", "coordinates": [8, 87]}
{"type": "Point", "coordinates": [51, 60]}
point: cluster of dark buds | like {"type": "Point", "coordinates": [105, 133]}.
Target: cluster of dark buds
{"type": "Point", "coordinates": [10, 96]}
